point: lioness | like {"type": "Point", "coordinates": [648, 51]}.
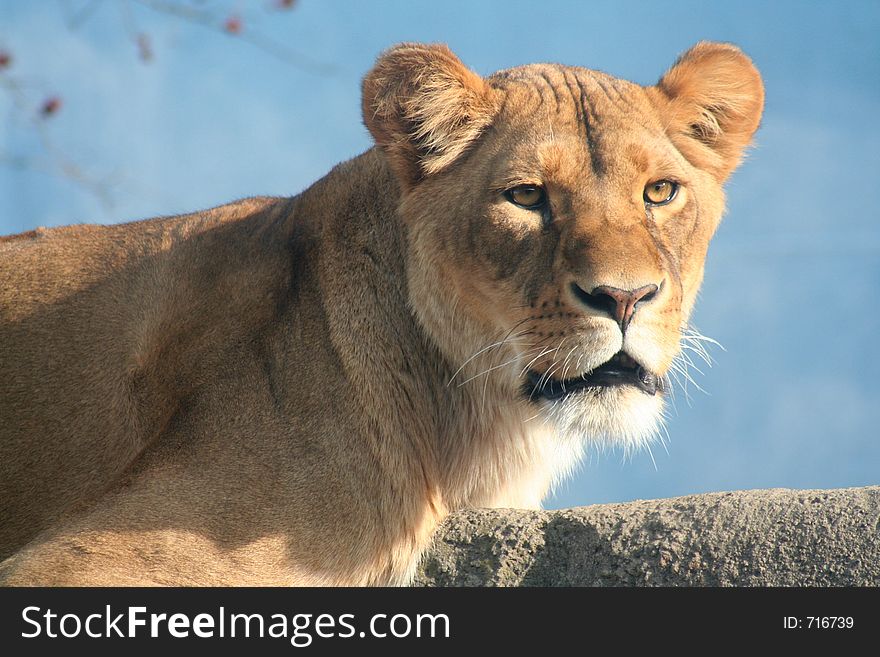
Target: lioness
{"type": "Point", "coordinates": [297, 391]}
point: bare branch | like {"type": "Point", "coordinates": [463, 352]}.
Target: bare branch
{"type": "Point", "coordinates": [38, 106]}
{"type": "Point", "coordinates": [77, 16]}
{"type": "Point", "coordinates": [207, 19]}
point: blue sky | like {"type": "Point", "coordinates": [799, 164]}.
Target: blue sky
{"type": "Point", "coordinates": [792, 288]}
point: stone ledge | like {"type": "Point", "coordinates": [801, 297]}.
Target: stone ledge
{"type": "Point", "coordinates": [776, 537]}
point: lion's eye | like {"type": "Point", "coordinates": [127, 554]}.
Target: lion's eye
{"type": "Point", "coordinates": [530, 197]}
{"type": "Point", "coordinates": [660, 192]}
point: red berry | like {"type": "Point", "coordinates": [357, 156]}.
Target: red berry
{"type": "Point", "coordinates": [145, 47]}
{"type": "Point", "coordinates": [50, 106]}
{"type": "Point", "coordinates": [5, 59]}
{"type": "Point", "coordinates": [233, 25]}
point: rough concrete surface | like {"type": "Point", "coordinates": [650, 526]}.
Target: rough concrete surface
{"type": "Point", "coordinates": [772, 537]}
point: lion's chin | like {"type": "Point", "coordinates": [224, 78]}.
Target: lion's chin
{"type": "Point", "coordinates": [619, 416]}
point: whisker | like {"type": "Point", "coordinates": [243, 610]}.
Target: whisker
{"type": "Point", "coordinates": [667, 439]}
{"type": "Point", "coordinates": [651, 454]}
{"type": "Point", "coordinates": [565, 362]}
{"type": "Point", "coordinates": [693, 343]}
{"type": "Point", "coordinates": [691, 363]}
{"type": "Point", "coordinates": [677, 369]}
{"type": "Point", "coordinates": [494, 367]}
{"type": "Point", "coordinates": [535, 359]}
{"type": "Point", "coordinates": [494, 345]}
{"type": "Point", "coordinates": [546, 375]}
{"type": "Point", "coordinates": [681, 366]}
{"type": "Point", "coordinates": [704, 356]}
{"type": "Point", "coordinates": [693, 334]}
{"type": "Point", "coordinates": [483, 396]}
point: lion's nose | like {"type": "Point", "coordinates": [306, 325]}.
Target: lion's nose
{"type": "Point", "coordinates": [621, 305]}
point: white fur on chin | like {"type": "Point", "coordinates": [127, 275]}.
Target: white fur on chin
{"type": "Point", "coordinates": [621, 416]}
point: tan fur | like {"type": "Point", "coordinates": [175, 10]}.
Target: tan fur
{"type": "Point", "coordinates": [297, 391]}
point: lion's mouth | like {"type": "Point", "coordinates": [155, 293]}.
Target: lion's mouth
{"type": "Point", "coordinates": [620, 370]}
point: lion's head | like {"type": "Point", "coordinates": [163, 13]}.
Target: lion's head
{"type": "Point", "coordinates": [558, 219]}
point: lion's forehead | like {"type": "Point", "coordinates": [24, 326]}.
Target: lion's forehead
{"type": "Point", "coordinates": [577, 93]}
{"type": "Point", "coordinates": [610, 122]}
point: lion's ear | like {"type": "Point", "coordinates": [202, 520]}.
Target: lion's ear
{"type": "Point", "coordinates": [424, 107]}
{"type": "Point", "coordinates": [711, 101]}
